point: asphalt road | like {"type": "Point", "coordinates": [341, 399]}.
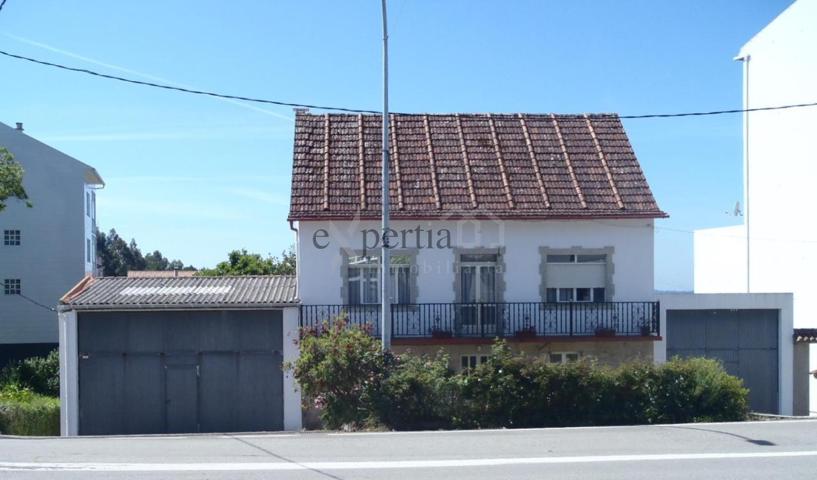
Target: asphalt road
{"type": "Point", "coordinates": [755, 450]}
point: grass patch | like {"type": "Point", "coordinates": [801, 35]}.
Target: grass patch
{"type": "Point", "coordinates": [23, 412]}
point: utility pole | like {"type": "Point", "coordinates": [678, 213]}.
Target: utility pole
{"type": "Point", "coordinates": [385, 257]}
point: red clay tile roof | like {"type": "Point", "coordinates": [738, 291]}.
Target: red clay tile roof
{"type": "Point", "coordinates": [444, 166]}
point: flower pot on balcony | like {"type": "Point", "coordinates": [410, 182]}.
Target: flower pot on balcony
{"type": "Point", "coordinates": [605, 332]}
{"type": "Point", "coordinates": [527, 332]}
{"type": "Point", "coordinates": [440, 333]}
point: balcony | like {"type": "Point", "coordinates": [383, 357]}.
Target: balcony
{"type": "Point", "coordinates": [521, 320]}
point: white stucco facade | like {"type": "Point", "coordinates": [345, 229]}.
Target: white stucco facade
{"type": "Point", "coordinates": [518, 243]}
{"type": "Point", "coordinates": [54, 237]}
{"type": "Point", "coordinates": [780, 171]}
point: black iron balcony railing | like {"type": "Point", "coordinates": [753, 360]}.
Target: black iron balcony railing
{"type": "Point", "coordinates": [489, 320]}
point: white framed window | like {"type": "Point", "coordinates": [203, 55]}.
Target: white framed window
{"type": "Point", "coordinates": [580, 295]}
{"type": "Point", "coordinates": [88, 204]}
{"type": "Point", "coordinates": [363, 279]}
{"type": "Point", "coordinates": [468, 362]}
{"type": "Point", "coordinates": [12, 286]}
{"type": "Point", "coordinates": [11, 238]}
{"type": "Point", "coordinates": [88, 250]}
{"type": "Point", "coordinates": [563, 357]}
{"type": "Point", "coordinates": [577, 258]}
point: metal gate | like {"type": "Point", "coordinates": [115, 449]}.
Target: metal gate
{"type": "Point", "coordinates": [180, 372]}
{"type": "Point", "coordinates": [744, 340]}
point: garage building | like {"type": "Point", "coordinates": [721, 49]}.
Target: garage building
{"type": "Point", "coordinates": [178, 355]}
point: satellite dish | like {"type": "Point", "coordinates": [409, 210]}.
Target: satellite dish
{"type": "Point", "coordinates": [738, 211]}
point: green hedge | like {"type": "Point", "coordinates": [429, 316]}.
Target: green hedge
{"type": "Point", "coordinates": [38, 374]}
{"type": "Point", "coordinates": [343, 370]}
{"type": "Point", "coordinates": [23, 412]}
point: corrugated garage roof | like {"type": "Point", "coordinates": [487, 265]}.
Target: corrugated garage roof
{"type": "Point", "coordinates": [805, 335]}
{"type": "Point", "coordinates": [117, 293]}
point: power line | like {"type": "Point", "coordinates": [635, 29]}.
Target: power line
{"type": "Point", "coordinates": [35, 302]}
{"type": "Point", "coordinates": [718, 112]}
{"type": "Point", "coordinates": [184, 90]}
{"type": "Point", "coordinates": [358, 110]}
{"type": "Point", "coordinates": [2, 4]}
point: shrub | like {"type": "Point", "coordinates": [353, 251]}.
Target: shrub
{"type": "Point", "coordinates": [23, 412]}
{"type": "Point", "coordinates": [420, 393]}
{"type": "Point", "coordinates": [340, 369]}
{"type": "Point", "coordinates": [344, 370]}
{"type": "Point", "coordinates": [697, 390]}
{"type": "Point", "coordinates": [38, 374]}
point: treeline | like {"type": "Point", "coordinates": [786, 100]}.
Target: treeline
{"type": "Point", "coordinates": [117, 257]}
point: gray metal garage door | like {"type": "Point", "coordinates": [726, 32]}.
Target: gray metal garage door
{"type": "Point", "coordinates": [744, 340]}
{"type": "Point", "coordinates": [180, 372]}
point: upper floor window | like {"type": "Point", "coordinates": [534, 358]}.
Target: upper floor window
{"type": "Point", "coordinates": [580, 294]}
{"type": "Point", "coordinates": [11, 237]}
{"type": "Point", "coordinates": [363, 279]}
{"type": "Point", "coordinates": [93, 205]}
{"type": "Point", "coordinates": [88, 204]}
{"type": "Point", "coordinates": [11, 286]}
{"type": "Point", "coordinates": [577, 275]}
{"type": "Point", "coordinates": [88, 250]}
{"type": "Point", "coordinates": [594, 258]}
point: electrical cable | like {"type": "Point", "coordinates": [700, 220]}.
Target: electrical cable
{"type": "Point", "coordinates": [357, 110]}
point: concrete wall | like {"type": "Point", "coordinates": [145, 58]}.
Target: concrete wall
{"type": "Point", "coordinates": [802, 378]}
{"type": "Point", "coordinates": [319, 269]}
{"type": "Point", "coordinates": [51, 257]}
{"type": "Point", "coordinates": [780, 168]}
{"type": "Point", "coordinates": [720, 260]}
{"type": "Point", "coordinates": [777, 301]}
{"type": "Point", "coordinates": [606, 352]}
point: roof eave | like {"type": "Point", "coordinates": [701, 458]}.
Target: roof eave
{"type": "Point", "coordinates": [481, 216]}
{"type": "Point", "coordinates": [176, 307]}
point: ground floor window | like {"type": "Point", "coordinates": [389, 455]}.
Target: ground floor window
{"type": "Point", "coordinates": [468, 362]}
{"type": "Point", "coordinates": [563, 357]}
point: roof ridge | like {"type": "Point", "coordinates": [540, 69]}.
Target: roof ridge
{"type": "Point", "coordinates": [505, 184]}
{"type": "Point", "coordinates": [393, 132]}
{"type": "Point", "coordinates": [429, 145]}
{"type": "Point", "coordinates": [603, 160]}
{"type": "Point", "coordinates": [466, 163]}
{"type": "Point", "coordinates": [566, 155]}
{"type": "Point", "coordinates": [534, 162]}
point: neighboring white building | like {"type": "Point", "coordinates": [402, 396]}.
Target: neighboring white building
{"type": "Point", "coordinates": [45, 249]}
{"type": "Point", "coordinates": [535, 228]}
{"type": "Point", "coordinates": [780, 174]}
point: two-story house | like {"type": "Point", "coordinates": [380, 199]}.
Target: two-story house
{"type": "Point", "coordinates": [45, 248]}
{"type": "Point", "coordinates": [535, 228]}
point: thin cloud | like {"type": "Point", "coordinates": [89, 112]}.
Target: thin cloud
{"type": "Point", "coordinates": [259, 196]}
{"type": "Point", "coordinates": [147, 76]}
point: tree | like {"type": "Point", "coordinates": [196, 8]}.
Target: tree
{"type": "Point", "coordinates": [241, 262]}
{"type": "Point", "coordinates": [118, 256]}
{"type": "Point", "coordinates": [11, 179]}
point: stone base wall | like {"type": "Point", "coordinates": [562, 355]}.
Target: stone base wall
{"type": "Point", "coordinates": [606, 352]}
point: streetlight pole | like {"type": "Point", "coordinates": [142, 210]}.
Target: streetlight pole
{"type": "Point", "coordinates": [385, 257]}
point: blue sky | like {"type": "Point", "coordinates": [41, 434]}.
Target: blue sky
{"type": "Point", "coordinates": [195, 177]}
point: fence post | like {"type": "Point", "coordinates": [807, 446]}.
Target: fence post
{"type": "Point", "coordinates": [656, 316]}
